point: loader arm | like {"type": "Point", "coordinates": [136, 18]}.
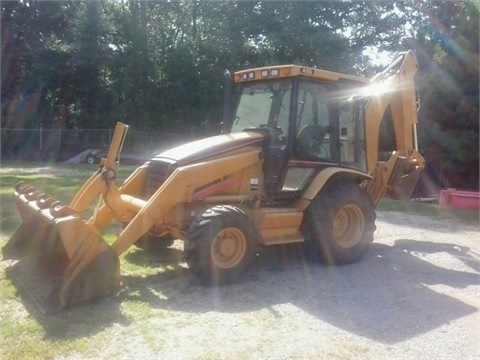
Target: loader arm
{"type": "Point", "coordinates": [179, 188]}
{"type": "Point", "coordinates": [101, 179]}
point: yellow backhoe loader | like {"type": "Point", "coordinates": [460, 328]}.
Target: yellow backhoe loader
{"type": "Point", "coordinates": [304, 157]}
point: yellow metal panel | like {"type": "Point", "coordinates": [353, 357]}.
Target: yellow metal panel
{"type": "Point", "coordinates": [179, 188]}
{"type": "Point", "coordinates": [322, 178]}
{"type": "Point", "coordinates": [116, 144]}
{"type": "Point", "coordinates": [275, 218]}
{"type": "Point", "coordinates": [395, 86]}
{"type": "Point", "coordinates": [278, 226]}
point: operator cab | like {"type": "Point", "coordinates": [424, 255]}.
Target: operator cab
{"type": "Point", "coordinates": [310, 119]}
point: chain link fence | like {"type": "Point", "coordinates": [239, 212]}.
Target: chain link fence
{"type": "Point", "coordinates": [62, 144]}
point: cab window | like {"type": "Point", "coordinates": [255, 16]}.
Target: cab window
{"type": "Point", "coordinates": [330, 124]}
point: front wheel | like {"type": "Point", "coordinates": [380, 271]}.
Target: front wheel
{"type": "Point", "coordinates": [221, 245]}
{"type": "Point", "coordinates": [339, 224]}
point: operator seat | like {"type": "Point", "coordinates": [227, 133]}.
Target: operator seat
{"type": "Point", "coordinates": [309, 141]}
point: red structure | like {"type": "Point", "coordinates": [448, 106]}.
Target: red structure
{"type": "Point", "coordinates": [459, 199]}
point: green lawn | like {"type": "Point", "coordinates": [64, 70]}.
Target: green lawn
{"type": "Point", "coordinates": [25, 337]}
{"type": "Point", "coordinates": [30, 336]}
{"type": "Point", "coordinates": [427, 209]}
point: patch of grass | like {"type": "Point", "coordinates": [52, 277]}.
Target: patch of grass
{"type": "Point", "coordinates": [25, 335]}
{"type": "Point", "coordinates": [466, 216]}
{"type": "Point", "coordinates": [144, 264]}
{"type": "Point", "coordinates": [60, 181]}
{"type": "Point", "coordinates": [137, 309]}
{"type": "Point", "coordinates": [24, 339]}
{"type": "Point", "coordinates": [7, 290]}
{"type": "Point", "coordinates": [141, 312]}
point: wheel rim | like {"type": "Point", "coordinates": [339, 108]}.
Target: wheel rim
{"type": "Point", "coordinates": [348, 226]}
{"type": "Point", "coordinates": [228, 248]}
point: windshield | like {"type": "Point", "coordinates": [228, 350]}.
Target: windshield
{"type": "Point", "coordinates": [263, 105]}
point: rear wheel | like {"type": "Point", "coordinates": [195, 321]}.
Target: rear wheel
{"type": "Point", "coordinates": [339, 224]}
{"type": "Point", "coordinates": [221, 245]}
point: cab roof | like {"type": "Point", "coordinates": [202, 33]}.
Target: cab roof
{"type": "Point", "coordinates": [290, 71]}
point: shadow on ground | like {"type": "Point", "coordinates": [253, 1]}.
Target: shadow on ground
{"type": "Point", "coordinates": [386, 297]}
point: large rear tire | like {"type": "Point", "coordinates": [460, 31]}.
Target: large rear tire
{"type": "Point", "coordinates": [221, 244]}
{"type": "Point", "coordinates": [339, 224]}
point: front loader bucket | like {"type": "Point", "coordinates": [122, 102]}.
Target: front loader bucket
{"type": "Point", "coordinates": [62, 260]}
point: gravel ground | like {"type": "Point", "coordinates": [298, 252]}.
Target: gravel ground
{"type": "Point", "coordinates": [415, 295]}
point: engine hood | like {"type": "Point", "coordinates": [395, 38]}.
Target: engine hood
{"type": "Point", "coordinates": [203, 149]}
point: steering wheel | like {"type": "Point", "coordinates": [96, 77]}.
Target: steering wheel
{"type": "Point", "coordinates": [310, 141]}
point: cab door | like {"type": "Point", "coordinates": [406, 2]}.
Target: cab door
{"type": "Point", "coordinates": [327, 131]}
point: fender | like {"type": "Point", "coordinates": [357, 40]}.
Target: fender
{"type": "Point", "coordinates": [324, 176]}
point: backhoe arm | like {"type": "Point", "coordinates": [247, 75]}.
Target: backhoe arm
{"type": "Point", "coordinates": [394, 88]}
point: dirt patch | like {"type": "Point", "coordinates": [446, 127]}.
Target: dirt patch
{"type": "Point", "coordinates": [414, 295]}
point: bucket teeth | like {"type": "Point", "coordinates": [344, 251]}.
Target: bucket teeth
{"type": "Point", "coordinates": [39, 201]}
{"type": "Point", "coordinates": [30, 192]}
{"type": "Point", "coordinates": [20, 187]}
{"type": "Point", "coordinates": [44, 201]}
{"type": "Point", "coordinates": [59, 209]}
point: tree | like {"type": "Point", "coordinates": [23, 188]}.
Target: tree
{"type": "Point", "coordinates": [159, 64]}
{"type": "Point", "coordinates": [32, 67]}
{"type": "Point", "coordinates": [446, 38]}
